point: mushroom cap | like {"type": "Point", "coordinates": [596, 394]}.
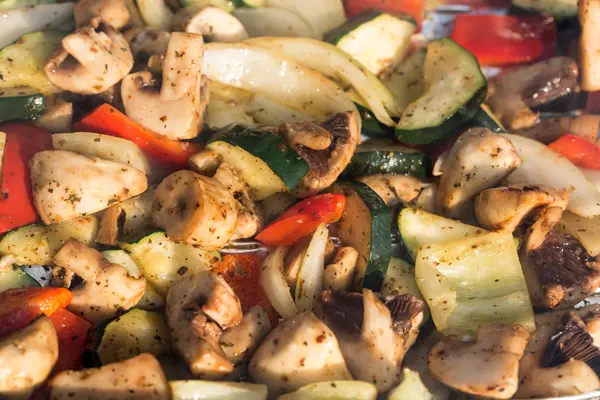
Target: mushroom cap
{"type": "Point", "coordinates": [112, 12]}
{"type": "Point", "coordinates": [478, 160]}
{"type": "Point", "coordinates": [92, 59]}
{"type": "Point", "coordinates": [489, 365]}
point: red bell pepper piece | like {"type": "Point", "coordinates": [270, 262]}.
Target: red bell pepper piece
{"type": "Point", "coordinates": [302, 219]}
{"type": "Point", "coordinates": [242, 272]}
{"type": "Point", "coordinates": [108, 120]}
{"type": "Point", "coordinates": [21, 306]}
{"type": "Point", "coordinates": [72, 332]}
{"type": "Point", "coordinates": [16, 198]}
{"type": "Point", "coordinates": [506, 39]}
{"type": "Point", "coordinates": [414, 8]}
{"type": "Point", "coordinates": [578, 150]}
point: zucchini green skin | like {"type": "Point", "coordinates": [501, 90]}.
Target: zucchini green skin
{"type": "Point", "coordinates": [373, 162]}
{"type": "Point", "coordinates": [380, 249]}
{"type": "Point", "coordinates": [482, 119]}
{"type": "Point", "coordinates": [338, 33]}
{"type": "Point", "coordinates": [272, 149]}
{"type": "Point", "coordinates": [17, 106]}
{"type": "Point", "coordinates": [433, 134]}
{"type": "Point", "coordinates": [371, 127]}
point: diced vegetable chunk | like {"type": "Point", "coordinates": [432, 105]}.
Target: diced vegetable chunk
{"type": "Point", "coordinates": [474, 281]}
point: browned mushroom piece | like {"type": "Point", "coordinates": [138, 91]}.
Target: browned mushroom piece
{"type": "Point", "coordinates": [393, 189]}
{"type": "Point", "coordinates": [487, 366]}
{"type": "Point", "coordinates": [173, 106]}
{"type": "Point", "coordinates": [90, 60]}
{"type": "Point", "coordinates": [559, 272]}
{"type": "Point", "coordinates": [213, 23]}
{"type": "Point", "coordinates": [374, 334]}
{"type": "Point", "coordinates": [146, 42]}
{"type": "Point", "coordinates": [111, 224]}
{"type": "Point", "coordinates": [550, 129]}
{"type": "Point", "coordinates": [522, 88]}
{"type": "Point", "coordinates": [112, 12]}
{"type": "Point", "coordinates": [326, 164]}
{"type": "Point", "coordinates": [561, 358]}
{"type": "Point", "coordinates": [477, 161]}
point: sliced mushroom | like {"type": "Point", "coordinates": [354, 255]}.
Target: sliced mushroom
{"type": "Point", "coordinates": [374, 336]}
{"type": "Point", "coordinates": [239, 342]}
{"type": "Point", "coordinates": [139, 378]}
{"type": "Point", "coordinates": [393, 189]}
{"type": "Point", "coordinates": [550, 129]}
{"type": "Point", "coordinates": [340, 274]}
{"type": "Point", "coordinates": [531, 85]}
{"type": "Point", "coordinates": [57, 118]}
{"type": "Point", "coordinates": [487, 366]}
{"type": "Point", "coordinates": [146, 42]}
{"type": "Point", "coordinates": [213, 23]}
{"type": "Point", "coordinates": [249, 218]}
{"type": "Point", "coordinates": [90, 60]}
{"type": "Point", "coordinates": [541, 373]}
{"type": "Point", "coordinates": [505, 208]}
{"type": "Point", "coordinates": [299, 351]}
{"type": "Point", "coordinates": [173, 107]}
{"type": "Point", "coordinates": [111, 224]}
{"type": "Point", "coordinates": [112, 12]}
{"type": "Point", "coordinates": [27, 358]}
{"type": "Point", "coordinates": [195, 209]}
{"type": "Point", "coordinates": [107, 288]}
{"type": "Point", "coordinates": [478, 160]}
{"type": "Point", "coordinates": [559, 272]}
{"type": "Point", "coordinates": [326, 165]}
{"type": "Point", "coordinates": [67, 185]}
{"type": "Point", "coordinates": [426, 199]}
{"type": "Point", "coordinates": [206, 162]}
{"type": "Point", "coordinates": [307, 134]}
{"type": "Point", "coordinates": [199, 308]}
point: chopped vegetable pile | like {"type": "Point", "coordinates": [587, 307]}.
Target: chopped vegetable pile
{"type": "Point", "coordinates": [299, 199]}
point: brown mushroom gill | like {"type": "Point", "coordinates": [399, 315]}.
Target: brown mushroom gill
{"type": "Point", "coordinates": [563, 265]}
{"type": "Point", "coordinates": [571, 342]}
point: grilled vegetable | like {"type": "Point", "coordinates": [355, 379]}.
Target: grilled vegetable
{"type": "Point", "coordinates": [441, 108]}
{"type": "Point", "coordinates": [21, 103]}
{"type": "Point", "coordinates": [366, 226]}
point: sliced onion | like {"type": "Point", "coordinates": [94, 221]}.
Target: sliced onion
{"type": "Point", "coordinates": [310, 278]}
{"type": "Point", "coordinates": [542, 166]}
{"type": "Point", "coordinates": [273, 21]}
{"type": "Point", "coordinates": [276, 76]}
{"type": "Point", "coordinates": [593, 176]}
{"type": "Point", "coordinates": [321, 15]}
{"type": "Point", "coordinates": [339, 66]}
{"type": "Point", "coordinates": [273, 283]}
{"type": "Point", "coordinates": [19, 21]}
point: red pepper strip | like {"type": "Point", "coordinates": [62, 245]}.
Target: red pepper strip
{"type": "Point", "coordinates": [72, 334]}
{"type": "Point", "coordinates": [110, 121]}
{"type": "Point", "coordinates": [21, 306]}
{"type": "Point", "coordinates": [506, 39]}
{"type": "Point", "coordinates": [578, 150]}
{"type": "Point", "coordinates": [414, 8]}
{"type": "Point", "coordinates": [302, 219]}
{"type": "Point", "coordinates": [242, 272]}
{"type": "Point", "coordinates": [16, 198]}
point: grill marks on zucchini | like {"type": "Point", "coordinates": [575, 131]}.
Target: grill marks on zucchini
{"type": "Point", "coordinates": [455, 88]}
{"type": "Point", "coordinates": [366, 225]}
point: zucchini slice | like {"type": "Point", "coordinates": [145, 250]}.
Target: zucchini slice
{"type": "Point", "coordinates": [163, 262]}
{"type": "Point", "coordinates": [338, 390]}
{"type": "Point", "coordinates": [371, 127]}
{"type": "Point", "coordinates": [386, 157]}
{"type": "Point", "coordinates": [418, 228]}
{"type": "Point", "coordinates": [36, 244]}
{"type": "Point", "coordinates": [455, 88]}
{"type": "Point", "coordinates": [406, 81]}
{"type": "Point", "coordinates": [560, 9]}
{"type": "Point", "coordinates": [132, 334]}
{"type": "Point", "coordinates": [400, 278]}
{"type": "Point", "coordinates": [21, 104]}
{"type": "Point", "coordinates": [366, 225]}
{"type": "Point", "coordinates": [485, 118]}
{"type": "Point", "coordinates": [16, 278]}
{"type": "Point", "coordinates": [22, 63]}
{"type": "Point", "coordinates": [198, 389]}
{"type": "Point", "coordinates": [264, 160]}
{"type": "Point", "coordinates": [391, 34]}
